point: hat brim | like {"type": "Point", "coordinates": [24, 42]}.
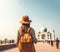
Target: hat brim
{"type": "Point", "coordinates": [24, 22]}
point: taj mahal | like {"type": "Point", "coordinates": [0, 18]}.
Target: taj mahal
{"type": "Point", "coordinates": [44, 35]}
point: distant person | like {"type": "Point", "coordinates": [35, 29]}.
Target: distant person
{"type": "Point", "coordinates": [26, 36]}
{"type": "Point", "coordinates": [48, 42]}
{"type": "Point", "coordinates": [43, 41]}
{"type": "Point", "coordinates": [51, 42]}
{"type": "Point", "coordinates": [57, 43]}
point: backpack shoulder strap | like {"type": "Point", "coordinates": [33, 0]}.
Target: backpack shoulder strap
{"type": "Point", "coordinates": [29, 29]}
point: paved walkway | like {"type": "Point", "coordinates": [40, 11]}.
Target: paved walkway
{"type": "Point", "coordinates": [40, 47]}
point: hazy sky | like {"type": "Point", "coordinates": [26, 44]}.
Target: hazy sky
{"type": "Point", "coordinates": [41, 12]}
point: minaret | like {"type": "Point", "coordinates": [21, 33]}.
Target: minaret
{"type": "Point", "coordinates": [54, 34]}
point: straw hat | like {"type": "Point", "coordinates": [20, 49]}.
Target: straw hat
{"type": "Point", "coordinates": [25, 20]}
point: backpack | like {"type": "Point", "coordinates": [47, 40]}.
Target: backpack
{"type": "Point", "coordinates": [25, 36]}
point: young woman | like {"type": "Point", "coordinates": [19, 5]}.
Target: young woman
{"type": "Point", "coordinates": [26, 36]}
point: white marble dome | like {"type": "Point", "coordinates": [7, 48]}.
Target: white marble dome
{"type": "Point", "coordinates": [43, 29]}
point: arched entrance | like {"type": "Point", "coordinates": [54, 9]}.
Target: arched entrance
{"type": "Point", "coordinates": [43, 36]}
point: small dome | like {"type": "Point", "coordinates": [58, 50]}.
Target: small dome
{"type": "Point", "coordinates": [43, 29]}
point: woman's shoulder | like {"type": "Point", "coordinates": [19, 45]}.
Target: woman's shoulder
{"type": "Point", "coordinates": [32, 29]}
{"type": "Point", "coordinates": [20, 29]}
